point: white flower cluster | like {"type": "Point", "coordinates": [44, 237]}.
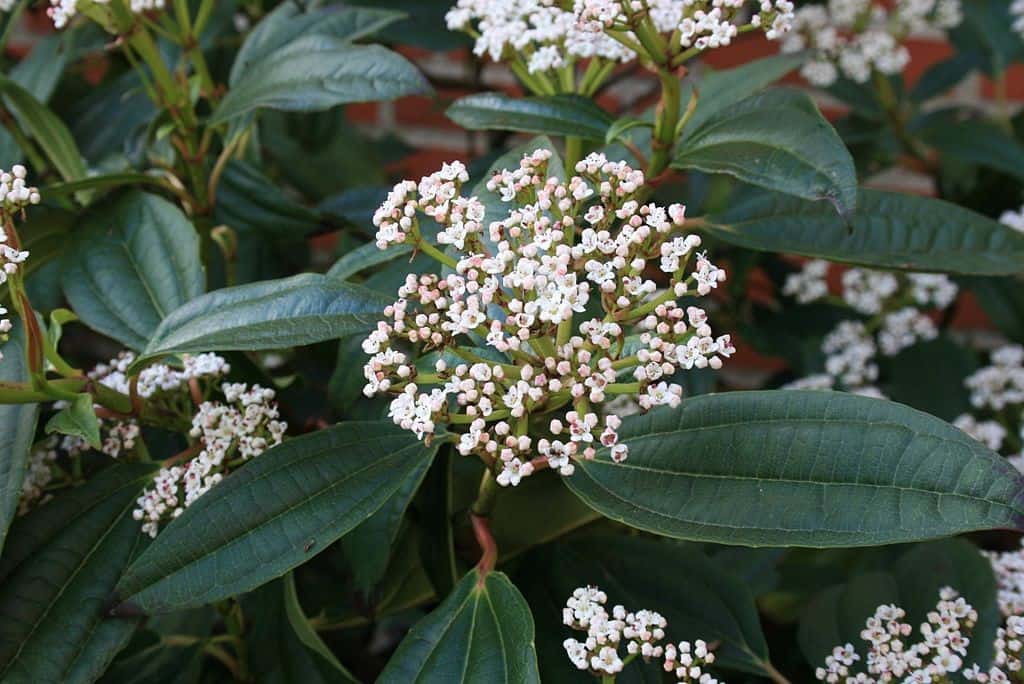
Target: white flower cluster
{"type": "Point", "coordinates": [527, 287]}
{"type": "Point", "coordinates": [168, 384]}
{"type": "Point", "coordinates": [857, 37]}
{"type": "Point", "coordinates": [230, 433]}
{"type": "Point", "coordinates": [1015, 219]}
{"type": "Point", "coordinates": [552, 34]}
{"type": "Point", "coordinates": [1001, 384]}
{"type": "Point", "coordinates": [7, 5]}
{"type": "Point", "coordinates": [63, 11]}
{"type": "Point", "coordinates": [38, 474]}
{"type": "Point", "coordinates": [699, 24]}
{"type": "Point", "coordinates": [544, 32]}
{"type": "Point", "coordinates": [641, 632]}
{"type": "Point", "coordinates": [893, 303]}
{"type": "Point", "coordinates": [1017, 15]}
{"type": "Point", "coordinates": [944, 639]}
{"type": "Point", "coordinates": [15, 194]}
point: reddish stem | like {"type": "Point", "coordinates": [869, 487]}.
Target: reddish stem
{"type": "Point", "coordinates": [488, 547]}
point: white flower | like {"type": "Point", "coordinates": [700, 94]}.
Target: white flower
{"type": "Point", "coordinates": [1015, 219]}
{"type": "Point", "coordinates": [519, 284]}
{"type": "Point", "coordinates": [858, 37]}
{"type": "Point", "coordinates": [242, 428]}
{"type": "Point", "coordinates": [809, 283]}
{"type": "Point", "coordinates": [62, 11]}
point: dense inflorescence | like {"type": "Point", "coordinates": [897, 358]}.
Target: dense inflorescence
{"type": "Point", "coordinates": [893, 656]}
{"type": "Point", "coordinates": [997, 398]}
{"type": "Point", "coordinates": [545, 37]}
{"type": "Point", "coordinates": [227, 433]}
{"type": "Point", "coordinates": [891, 310]}
{"type": "Point", "coordinates": [641, 633]}
{"type": "Point", "coordinates": [548, 311]}
{"type": "Point", "coordinates": [855, 38]}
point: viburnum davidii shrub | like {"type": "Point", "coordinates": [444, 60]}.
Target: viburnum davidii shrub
{"type": "Point", "coordinates": [658, 384]}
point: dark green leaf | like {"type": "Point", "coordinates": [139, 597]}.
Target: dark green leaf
{"type": "Point", "coordinates": [930, 377]}
{"type": "Point", "coordinates": [793, 468]}
{"type": "Point", "coordinates": [777, 140]}
{"type": "Point", "coordinates": [483, 632]}
{"type": "Point", "coordinates": [988, 145]}
{"type": "Point", "coordinates": [721, 90]}
{"type": "Point", "coordinates": [78, 420]}
{"type": "Point", "coordinates": [619, 128]}
{"type": "Point", "coordinates": [273, 514]}
{"type": "Point", "coordinates": [105, 182]}
{"type": "Point", "coordinates": [273, 314]}
{"type": "Point", "coordinates": [288, 22]}
{"type": "Point", "coordinates": [316, 73]}
{"type": "Point", "coordinates": [888, 230]}
{"type": "Point", "coordinates": [61, 564]}
{"type": "Point", "coordinates": [1003, 300]}
{"type": "Point", "coordinates": [248, 199]}
{"type": "Point", "coordinates": [564, 115]}
{"type": "Point", "coordinates": [710, 604]}
{"type": "Point", "coordinates": [283, 647]}
{"type": "Point", "coordinates": [364, 257]}
{"type": "Point", "coordinates": [942, 77]}
{"type": "Point", "coordinates": [17, 431]}
{"type": "Point", "coordinates": [49, 132]}
{"type": "Point", "coordinates": [368, 547]}
{"type": "Point", "coordinates": [133, 263]}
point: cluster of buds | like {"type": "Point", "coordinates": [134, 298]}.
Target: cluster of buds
{"type": "Point", "coordinates": [1007, 662]}
{"type": "Point", "coordinates": [63, 11]}
{"type": "Point", "coordinates": [696, 24]}
{"type": "Point", "coordinates": [856, 38]}
{"type": "Point", "coordinates": [39, 473]}
{"type": "Point", "coordinates": [546, 37]}
{"type": "Point", "coordinates": [939, 653]}
{"type": "Point", "coordinates": [891, 309]}
{"type": "Point", "coordinates": [997, 395]}
{"type": "Point", "coordinates": [641, 633]}
{"type": "Point", "coordinates": [227, 434]}
{"type": "Point", "coordinates": [170, 390]}
{"type": "Point", "coordinates": [558, 291]}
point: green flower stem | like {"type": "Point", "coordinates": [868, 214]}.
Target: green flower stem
{"type": "Point", "coordinates": [573, 154]}
{"type": "Point", "coordinates": [24, 393]}
{"type": "Point", "coordinates": [434, 252]}
{"type": "Point", "coordinates": [666, 122]}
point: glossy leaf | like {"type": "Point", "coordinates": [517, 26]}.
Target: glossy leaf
{"type": "Point", "coordinates": [46, 129]}
{"type": "Point", "coordinates": [720, 90]}
{"type": "Point", "coordinates": [104, 182]}
{"type": "Point", "coordinates": [988, 145]}
{"type": "Point", "coordinates": [364, 257]}
{"type": "Point", "coordinates": [888, 230]}
{"type": "Point", "coordinates": [777, 140]}
{"type": "Point", "coordinates": [273, 314]}
{"type": "Point", "coordinates": [368, 547]}
{"type": "Point", "coordinates": [563, 115]}
{"type": "Point", "coordinates": [796, 468]}
{"type": "Point", "coordinates": [56, 576]}
{"type": "Point", "coordinates": [288, 22]}
{"type": "Point", "coordinates": [133, 263]}
{"type": "Point", "coordinates": [17, 431]}
{"type": "Point", "coordinates": [78, 420]}
{"type": "Point", "coordinates": [711, 603]}
{"type": "Point", "coordinates": [284, 648]}
{"type": "Point", "coordinates": [273, 514]}
{"type": "Point", "coordinates": [482, 632]}
{"type": "Point", "coordinates": [248, 199]}
{"type": "Point", "coordinates": [316, 73]}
